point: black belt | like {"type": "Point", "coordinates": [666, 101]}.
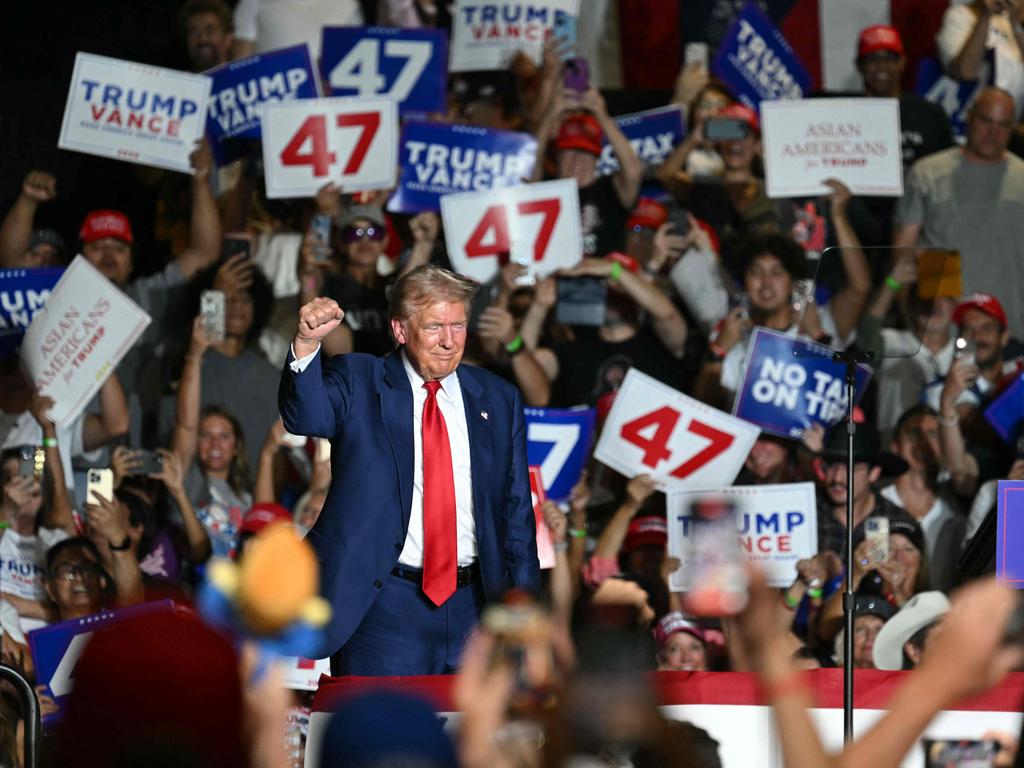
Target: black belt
{"type": "Point", "coordinates": [464, 575]}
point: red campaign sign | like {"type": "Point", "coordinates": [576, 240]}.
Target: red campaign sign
{"type": "Point", "coordinates": [311, 142]}
{"type": "Point", "coordinates": [545, 547]}
{"type": "Point", "coordinates": [681, 442]}
{"type": "Point", "coordinates": [537, 225]}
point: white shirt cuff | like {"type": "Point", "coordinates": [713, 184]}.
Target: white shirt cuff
{"type": "Point", "coordinates": [299, 364]}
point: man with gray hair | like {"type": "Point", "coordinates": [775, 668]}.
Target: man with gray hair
{"type": "Point", "coordinates": [429, 512]}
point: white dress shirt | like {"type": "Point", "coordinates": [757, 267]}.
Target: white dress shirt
{"type": "Point", "coordinates": [449, 400]}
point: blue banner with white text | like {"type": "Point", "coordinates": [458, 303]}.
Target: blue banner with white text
{"type": "Point", "coordinates": [558, 441]}
{"type": "Point", "coordinates": [23, 294]}
{"type": "Point", "coordinates": [954, 96]}
{"type": "Point", "coordinates": [652, 134]}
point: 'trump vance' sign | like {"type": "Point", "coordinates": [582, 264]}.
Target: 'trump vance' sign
{"type": "Point", "coordinates": [487, 35]}
{"type": "Point", "coordinates": [134, 112]}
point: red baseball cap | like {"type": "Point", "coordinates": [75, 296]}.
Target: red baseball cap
{"type": "Point", "coordinates": [673, 622]}
{"type": "Point", "coordinates": [100, 224]}
{"type": "Point", "coordinates": [741, 112]}
{"type": "Point", "coordinates": [879, 37]}
{"type": "Point", "coordinates": [647, 214]}
{"type": "Point", "coordinates": [261, 515]}
{"type": "Point", "coordinates": [580, 131]}
{"type": "Point", "coordinates": [649, 529]}
{"type": "Point", "coordinates": [983, 302]}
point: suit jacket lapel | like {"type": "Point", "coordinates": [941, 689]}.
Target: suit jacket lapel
{"type": "Point", "coordinates": [478, 423]}
{"type": "Point", "coordinates": [396, 412]}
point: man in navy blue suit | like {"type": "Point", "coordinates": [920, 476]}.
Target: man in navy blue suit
{"type": "Point", "coordinates": [429, 512]}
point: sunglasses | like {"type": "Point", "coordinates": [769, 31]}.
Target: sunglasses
{"type": "Point", "coordinates": [351, 235]}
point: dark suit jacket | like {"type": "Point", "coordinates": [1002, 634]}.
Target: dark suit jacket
{"type": "Point", "coordinates": [364, 405]}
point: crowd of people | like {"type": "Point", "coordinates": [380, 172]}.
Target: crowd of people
{"type": "Point", "coordinates": [702, 257]}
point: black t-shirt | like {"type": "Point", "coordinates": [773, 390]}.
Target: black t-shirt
{"type": "Point", "coordinates": [924, 127]}
{"type": "Point", "coordinates": [590, 367]}
{"type": "Point", "coordinates": [603, 218]}
{"type": "Point", "coordinates": [366, 312]}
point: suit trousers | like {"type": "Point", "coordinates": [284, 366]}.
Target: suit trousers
{"type": "Point", "coordinates": [403, 633]}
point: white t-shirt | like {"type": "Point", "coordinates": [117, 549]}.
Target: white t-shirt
{"type": "Point", "coordinates": [23, 562]}
{"type": "Point", "coordinates": [274, 24]}
{"type": "Point", "coordinates": [904, 372]}
{"type": "Point", "coordinates": [957, 23]}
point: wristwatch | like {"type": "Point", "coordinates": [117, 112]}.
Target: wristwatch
{"type": "Point", "coordinates": [122, 547]}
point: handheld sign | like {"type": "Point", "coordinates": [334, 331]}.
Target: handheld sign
{"type": "Point", "coordinates": [134, 112]}
{"type": "Point", "coordinates": [57, 648]}
{"type": "Point", "coordinates": [558, 443]}
{"type": "Point", "coordinates": [757, 63]}
{"type": "Point", "coordinates": [652, 135]}
{"type": "Point", "coordinates": [537, 225]}
{"type": "Point", "coordinates": [407, 65]}
{"type": "Point", "coordinates": [486, 35]}
{"type": "Point", "coordinates": [545, 547]}
{"type": "Point", "coordinates": [308, 143]}
{"type": "Point", "coordinates": [777, 526]}
{"type": "Point", "coordinates": [1010, 532]}
{"type": "Point", "coordinates": [954, 96]}
{"type": "Point", "coordinates": [242, 88]}
{"type": "Point", "coordinates": [791, 383]}
{"type": "Point", "coordinates": [23, 294]}
{"type": "Point", "coordinates": [681, 442]}
{"type": "Point", "coordinates": [1006, 412]}
{"type": "Point", "coordinates": [437, 159]}
{"type": "Point", "coordinates": [303, 674]}
{"type": "Point", "coordinates": [854, 140]}
{"type": "Point", "coordinates": [78, 339]}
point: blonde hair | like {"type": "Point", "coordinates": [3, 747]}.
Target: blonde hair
{"type": "Point", "coordinates": [428, 284]}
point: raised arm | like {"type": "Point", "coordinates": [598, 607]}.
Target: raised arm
{"type": "Point", "coordinates": [962, 466]}
{"type": "Point", "coordinates": [206, 234]}
{"type": "Point", "coordinates": [108, 519]}
{"type": "Point", "coordinates": [638, 490]}
{"type": "Point", "coordinates": [198, 540]}
{"type": "Point", "coordinates": [425, 227]}
{"type": "Point", "coordinates": [497, 326]}
{"type": "Point", "coordinates": [61, 511]}
{"type": "Point", "coordinates": [186, 416]}
{"type": "Point", "coordinates": [849, 302]}
{"type": "Point", "coordinates": [631, 170]}
{"type": "Point", "coordinates": [966, 64]}
{"type": "Point", "coordinates": [263, 491]}
{"type": "Point", "coordinates": [38, 187]}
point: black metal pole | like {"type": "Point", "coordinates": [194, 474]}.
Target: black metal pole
{"type": "Point", "coordinates": [851, 428]}
{"type": "Point", "coordinates": [29, 710]}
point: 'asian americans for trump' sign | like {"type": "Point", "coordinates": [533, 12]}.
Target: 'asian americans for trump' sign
{"type": "Point", "coordinates": [134, 112]}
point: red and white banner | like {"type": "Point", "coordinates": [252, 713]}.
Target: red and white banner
{"type": "Point", "coordinates": [311, 142]}
{"type": "Point", "coordinates": [681, 442]}
{"type": "Point", "coordinates": [303, 674]}
{"type": "Point", "coordinates": [545, 547]}
{"type": "Point", "coordinates": [536, 225]}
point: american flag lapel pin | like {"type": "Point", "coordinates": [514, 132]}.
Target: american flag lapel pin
{"type": "Point", "coordinates": [484, 415]}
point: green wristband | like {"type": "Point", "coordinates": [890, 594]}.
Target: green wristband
{"type": "Point", "coordinates": [791, 602]}
{"type": "Point", "coordinates": [616, 272]}
{"type": "Point", "coordinates": [893, 283]}
{"type": "Point", "coordinates": [578, 533]}
{"type": "Point", "coordinates": [814, 593]}
{"type": "Point", "coordinates": [49, 442]}
{"type": "Point", "coordinates": [515, 345]}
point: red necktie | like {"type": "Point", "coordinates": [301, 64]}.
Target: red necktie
{"type": "Point", "coordinates": [439, 534]}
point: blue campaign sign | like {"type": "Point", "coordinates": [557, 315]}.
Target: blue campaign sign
{"type": "Point", "coordinates": [409, 65]}
{"type": "Point", "coordinates": [558, 441]}
{"type": "Point", "coordinates": [757, 63]}
{"type": "Point", "coordinates": [791, 383]}
{"type": "Point", "coordinates": [241, 88]}
{"type": "Point", "coordinates": [23, 294]}
{"type": "Point", "coordinates": [652, 134]}
{"type": "Point", "coordinates": [436, 159]}
{"type": "Point", "coordinates": [57, 648]}
{"type": "Point", "coordinates": [1010, 532]}
{"type": "Point", "coordinates": [1006, 412]}
{"type": "Point", "coordinates": [954, 96]}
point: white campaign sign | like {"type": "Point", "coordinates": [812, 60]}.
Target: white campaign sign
{"type": "Point", "coordinates": [681, 442]}
{"type": "Point", "coordinates": [134, 112]}
{"type": "Point", "coordinates": [303, 674]}
{"type": "Point", "coordinates": [310, 142]}
{"type": "Point", "coordinates": [854, 140]}
{"type": "Point", "coordinates": [487, 35]}
{"type": "Point", "coordinates": [76, 342]}
{"type": "Point", "coordinates": [537, 225]}
{"type": "Point", "coordinates": [777, 525]}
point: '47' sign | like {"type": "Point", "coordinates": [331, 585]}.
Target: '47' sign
{"type": "Point", "coordinates": [408, 65]}
{"type": "Point", "coordinates": [308, 143]}
{"type": "Point", "coordinates": [537, 225]}
{"type": "Point", "coordinates": [681, 442]}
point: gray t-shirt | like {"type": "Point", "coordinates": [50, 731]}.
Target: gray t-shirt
{"type": "Point", "coordinates": [977, 210]}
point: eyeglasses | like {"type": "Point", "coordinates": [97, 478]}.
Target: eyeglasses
{"type": "Point", "coordinates": [68, 571]}
{"type": "Point", "coordinates": [351, 235]}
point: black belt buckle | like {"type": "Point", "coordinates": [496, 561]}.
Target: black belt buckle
{"type": "Point", "coordinates": [464, 575]}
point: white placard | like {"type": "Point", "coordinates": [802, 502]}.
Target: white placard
{"type": "Point", "coordinates": [681, 442]}
{"type": "Point", "coordinates": [487, 35]}
{"type": "Point", "coordinates": [134, 112]}
{"type": "Point", "coordinates": [303, 674]}
{"type": "Point", "coordinates": [310, 142]}
{"type": "Point", "coordinates": [537, 225]}
{"type": "Point", "coordinates": [777, 525]}
{"type": "Point", "coordinates": [854, 140]}
{"type": "Point", "coordinates": [78, 339]}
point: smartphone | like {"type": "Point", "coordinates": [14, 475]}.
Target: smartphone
{"type": "Point", "coordinates": [563, 32]}
{"type": "Point", "coordinates": [717, 572]}
{"type": "Point", "coordinates": [581, 300]}
{"type": "Point", "coordinates": [522, 643]}
{"type": "Point", "coordinates": [678, 217]}
{"type": "Point", "coordinates": [802, 295]}
{"type": "Point", "coordinates": [101, 482]}
{"type": "Point", "coordinates": [876, 533]}
{"type": "Point", "coordinates": [211, 307]}
{"type": "Point", "coordinates": [741, 300]}
{"type": "Point", "coordinates": [232, 246]}
{"type": "Point", "coordinates": [966, 350]}
{"type": "Point", "coordinates": [31, 461]}
{"type": "Point", "coordinates": [320, 234]}
{"type": "Point", "coordinates": [960, 753]}
{"type": "Point", "coordinates": [577, 75]}
{"type": "Point", "coordinates": [696, 53]}
{"type": "Point", "coordinates": [725, 129]}
{"type": "Point", "coordinates": [150, 462]}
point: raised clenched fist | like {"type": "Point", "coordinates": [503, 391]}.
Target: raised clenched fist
{"type": "Point", "coordinates": [316, 319]}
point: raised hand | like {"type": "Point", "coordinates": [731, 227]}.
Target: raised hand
{"type": "Point", "coordinates": [316, 319]}
{"type": "Point", "coordinates": [39, 186]}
